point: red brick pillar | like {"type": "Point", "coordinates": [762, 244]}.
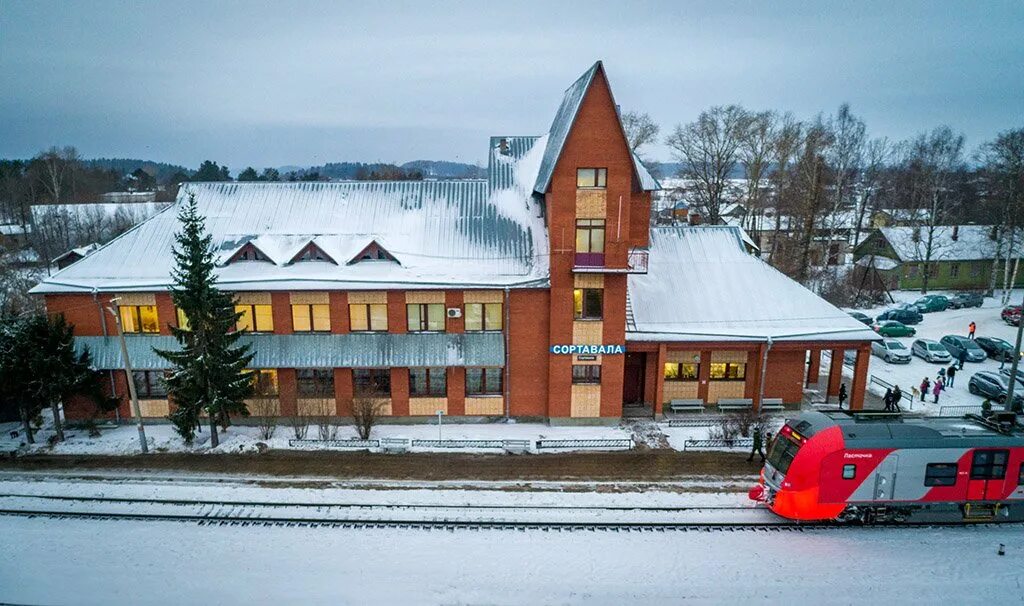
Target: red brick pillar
{"type": "Point", "coordinates": [343, 391]}
{"type": "Point", "coordinates": [339, 312]}
{"type": "Point", "coordinates": [398, 321]}
{"type": "Point", "coordinates": [860, 378]}
{"type": "Point", "coordinates": [704, 376]}
{"type": "Point", "coordinates": [814, 368]}
{"type": "Point", "coordinates": [287, 389]}
{"type": "Point", "coordinates": [755, 360]}
{"type": "Point", "coordinates": [400, 392]}
{"type": "Point", "coordinates": [835, 373]}
{"type": "Point", "coordinates": [454, 298]}
{"type": "Point", "coordinates": [657, 379]}
{"type": "Point", "coordinates": [282, 309]}
{"type": "Point", "coordinates": [165, 314]}
{"type": "Point", "coordinates": [456, 382]}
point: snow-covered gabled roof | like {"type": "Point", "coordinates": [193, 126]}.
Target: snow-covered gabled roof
{"type": "Point", "coordinates": [446, 233]}
{"type": "Point", "coordinates": [973, 243]}
{"type": "Point", "coordinates": [702, 286]}
{"type": "Point", "coordinates": [565, 117]}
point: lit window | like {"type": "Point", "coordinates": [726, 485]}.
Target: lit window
{"type": "Point", "coordinates": [590, 236]}
{"type": "Point", "coordinates": [583, 374]}
{"type": "Point", "coordinates": [681, 371]}
{"type": "Point", "coordinates": [371, 382]}
{"type": "Point", "coordinates": [731, 371]}
{"type": "Point", "coordinates": [368, 317]}
{"type": "Point", "coordinates": [484, 381]}
{"type": "Point", "coordinates": [264, 382]}
{"type": "Point", "coordinates": [315, 382]}
{"type": "Point", "coordinates": [138, 319]}
{"type": "Point", "coordinates": [255, 318]}
{"type": "Point", "coordinates": [428, 382]}
{"type": "Point", "coordinates": [149, 383]}
{"type": "Point", "coordinates": [183, 322]}
{"type": "Point", "coordinates": [425, 317]}
{"type": "Point", "coordinates": [588, 303]}
{"type": "Point", "coordinates": [483, 316]}
{"type": "Point", "coordinates": [314, 317]}
{"type": "Point", "coordinates": [592, 177]}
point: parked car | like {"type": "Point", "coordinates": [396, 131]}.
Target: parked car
{"type": "Point", "coordinates": [995, 386]}
{"type": "Point", "coordinates": [966, 299]}
{"type": "Point", "coordinates": [930, 351]}
{"type": "Point", "coordinates": [1011, 315]}
{"type": "Point", "coordinates": [1020, 375]}
{"type": "Point", "coordinates": [955, 344]}
{"type": "Point", "coordinates": [892, 328]}
{"type": "Point", "coordinates": [856, 315]}
{"type": "Point", "coordinates": [891, 350]}
{"type": "Point", "coordinates": [929, 303]}
{"type": "Point", "coordinates": [997, 349]}
{"type": "Point", "coordinates": [906, 316]}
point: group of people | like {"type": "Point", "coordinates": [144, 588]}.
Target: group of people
{"type": "Point", "coordinates": [892, 398]}
{"type": "Point", "coordinates": [946, 377]}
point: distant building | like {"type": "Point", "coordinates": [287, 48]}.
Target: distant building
{"type": "Point", "coordinates": [962, 255]}
{"type": "Point", "coordinates": [129, 197]}
{"type": "Point", "coordinates": [74, 255]}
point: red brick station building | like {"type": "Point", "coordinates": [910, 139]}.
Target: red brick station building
{"type": "Point", "coordinates": [542, 291]}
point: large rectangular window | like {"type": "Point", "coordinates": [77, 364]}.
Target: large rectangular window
{"type": "Point", "coordinates": [255, 318]}
{"type": "Point", "coordinates": [989, 464]}
{"type": "Point", "coordinates": [264, 382]}
{"type": "Point", "coordinates": [315, 382]}
{"type": "Point", "coordinates": [425, 317]}
{"type": "Point", "coordinates": [149, 384]}
{"type": "Point", "coordinates": [940, 474]}
{"type": "Point", "coordinates": [368, 317]}
{"type": "Point", "coordinates": [484, 381]}
{"type": "Point", "coordinates": [588, 303]}
{"type": "Point", "coordinates": [314, 317]}
{"type": "Point", "coordinates": [728, 371]}
{"type": "Point", "coordinates": [138, 319]}
{"type": "Point", "coordinates": [682, 371]}
{"type": "Point", "coordinates": [586, 374]}
{"type": "Point", "coordinates": [371, 382]}
{"type": "Point", "coordinates": [428, 383]}
{"type": "Point", "coordinates": [592, 177]}
{"type": "Point", "coordinates": [590, 236]}
{"type": "Point", "coordinates": [483, 316]}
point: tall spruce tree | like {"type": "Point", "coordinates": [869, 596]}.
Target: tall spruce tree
{"type": "Point", "coordinates": [209, 370]}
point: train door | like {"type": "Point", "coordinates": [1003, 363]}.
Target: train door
{"type": "Point", "coordinates": [988, 475]}
{"type": "Point", "coordinates": [885, 478]}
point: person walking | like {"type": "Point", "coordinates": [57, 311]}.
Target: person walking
{"type": "Point", "coordinates": [941, 376]}
{"type": "Point", "coordinates": [842, 395]}
{"type": "Point", "coordinates": [757, 446]}
{"type": "Point", "coordinates": [936, 390]}
{"type": "Point", "coordinates": [961, 358]}
{"type": "Point", "coordinates": [970, 329]}
{"type": "Point", "coordinates": [951, 375]}
{"type": "Point", "coordinates": [925, 385]}
{"type": "Point", "coordinates": [887, 399]}
{"type": "Point", "coordinates": [897, 396]}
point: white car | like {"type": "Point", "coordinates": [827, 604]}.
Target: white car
{"type": "Point", "coordinates": [891, 350]}
{"type": "Point", "coordinates": [930, 351]}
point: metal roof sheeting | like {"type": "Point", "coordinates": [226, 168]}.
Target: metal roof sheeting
{"type": "Point", "coordinates": [701, 285]}
{"type": "Point", "coordinates": [355, 350]}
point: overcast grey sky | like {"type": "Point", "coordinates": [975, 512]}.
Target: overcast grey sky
{"type": "Point", "coordinates": [311, 82]}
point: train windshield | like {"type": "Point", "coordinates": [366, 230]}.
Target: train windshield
{"type": "Point", "coordinates": [784, 449]}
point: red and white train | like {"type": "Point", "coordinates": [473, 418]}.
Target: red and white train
{"type": "Point", "coordinates": [882, 467]}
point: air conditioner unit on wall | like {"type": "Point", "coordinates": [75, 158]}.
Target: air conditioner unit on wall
{"type": "Point", "coordinates": [454, 312]}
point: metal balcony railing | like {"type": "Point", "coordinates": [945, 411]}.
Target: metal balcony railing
{"type": "Point", "coordinates": [594, 263]}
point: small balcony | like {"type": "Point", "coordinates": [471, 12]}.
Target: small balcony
{"type": "Point", "coordinates": [594, 263]}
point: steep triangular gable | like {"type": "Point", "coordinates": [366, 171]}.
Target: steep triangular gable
{"type": "Point", "coordinates": [565, 118]}
{"type": "Point", "coordinates": [311, 252]}
{"type": "Point", "coordinates": [373, 252]}
{"type": "Point", "coordinates": [249, 252]}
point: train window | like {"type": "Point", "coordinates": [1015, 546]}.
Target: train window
{"type": "Point", "coordinates": [781, 453]}
{"type": "Point", "coordinates": [849, 471]}
{"type": "Point", "coordinates": [989, 464]}
{"type": "Point", "coordinates": [940, 474]}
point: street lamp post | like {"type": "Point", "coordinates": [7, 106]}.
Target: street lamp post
{"type": "Point", "coordinates": [1008, 404]}
{"type": "Point", "coordinates": [131, 380]}
{"type": "Point", "coordinates": [440, 414]}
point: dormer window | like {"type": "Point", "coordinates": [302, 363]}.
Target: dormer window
{"type": "Point", "coordinates": [249, 252]}
{"type": "Point", "coordinates": [592, 178]}
{"type": "Point", "coordinates": [312, 252]}
{"type": "Point", "coordinates": [373, 252]}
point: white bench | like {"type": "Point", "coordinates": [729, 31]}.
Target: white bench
{"type": "Point", "coordinates": [772, 404]}
{"type": "Point", "coordinates": [686, 405]}
{"type": "Point", "coordinates": [735, 404]}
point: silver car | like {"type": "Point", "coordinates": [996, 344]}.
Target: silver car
{"type": "Point", "coordinates": [931, 351]}
{"type": "Point", "coordinates": [891, 350]}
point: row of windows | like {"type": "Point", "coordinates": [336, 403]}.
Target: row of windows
{"type": "Point", "coordinates": [363, 317]}
{"type": "Point", "coordinates": [986, 465]}
{"type": "Point", "coordinates": [366, 382]}
{"type": "Point", "coordinates": [719, 371]}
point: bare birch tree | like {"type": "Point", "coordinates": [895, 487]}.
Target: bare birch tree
{"type": "Point", "coordinates": [755, 155]}
{"type": "Point", "coordinates": [1003, 169]}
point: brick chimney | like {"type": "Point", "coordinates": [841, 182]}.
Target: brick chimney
{"type": "Point", "coordinates": [956, 232]}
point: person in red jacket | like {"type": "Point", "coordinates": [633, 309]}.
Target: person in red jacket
{"type": "Point", "coordinates": [970, 330]}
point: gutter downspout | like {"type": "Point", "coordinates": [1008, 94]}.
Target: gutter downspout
{"type": "Point", "coordinates": [764, 372]}
{"type": "Point", "coordinates": [508, 369]}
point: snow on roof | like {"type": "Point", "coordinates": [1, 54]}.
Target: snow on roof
{"type": "Point", "coordinates": [136, 211]}
{"type": "Point", "coordinates": [444, 233]}
{"type": "Point", "coordinates": [14, 229]}
{"type": "Point", "coordinates": [973, 243]}
{"type": "Point", "coordinates": [702, 286]}
{"type": "Point", "coordinates": [81, 251]}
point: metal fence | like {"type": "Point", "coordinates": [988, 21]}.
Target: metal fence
{"type": "Point", "coordinates": [458, 443]}
{"type": "Point", "coordinates": [604, 444]}
{"type": "Point", "coordinates": [887, 385]}
{"type": "Point", "coordinates": [959, 411]}
{"type": "Point", "coordinates": [721, 443]}
{"type": "Point", "coordinates": [336, 443]}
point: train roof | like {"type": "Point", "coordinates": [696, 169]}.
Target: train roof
{"type": "Point", "coordinates": [867, 429]}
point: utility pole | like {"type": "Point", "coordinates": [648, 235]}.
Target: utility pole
{"type": "Point", "coordinates": [1008, 404]}
{"type": "Point", "coordinates": [131, 380]}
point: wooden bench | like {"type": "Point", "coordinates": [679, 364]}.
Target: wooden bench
{"type": "Point", "coordinates": [735, 404]}
{"type": "Point", "coordinates": [686, 405]}
{"type": "Point", "coordinates": [772, 405]}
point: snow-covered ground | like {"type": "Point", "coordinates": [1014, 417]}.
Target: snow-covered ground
{"type": "Point", "coordinates": [147, 562]}
{"type": "Point", "coordinates": [934, 326]}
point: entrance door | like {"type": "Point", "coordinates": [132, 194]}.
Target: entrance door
{"type": "Point", "coordinates": [988, 474]}
{"type": "Point", "coordinates": [885, 478]}
{"type": "Point", "coordinates": [633, 378]}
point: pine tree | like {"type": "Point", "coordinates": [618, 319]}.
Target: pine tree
{"type": "Point", "coordinates": [209, 371]}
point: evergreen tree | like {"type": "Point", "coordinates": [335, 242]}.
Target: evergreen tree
{"type": "Point", "coordinates": [211, 171]}
{"type": "Point", "coordinates": [270, 174]}
{"type": "Point", "coordinates": [249, 174]}
{"type": "Point", "coordinates": [209, 371]}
